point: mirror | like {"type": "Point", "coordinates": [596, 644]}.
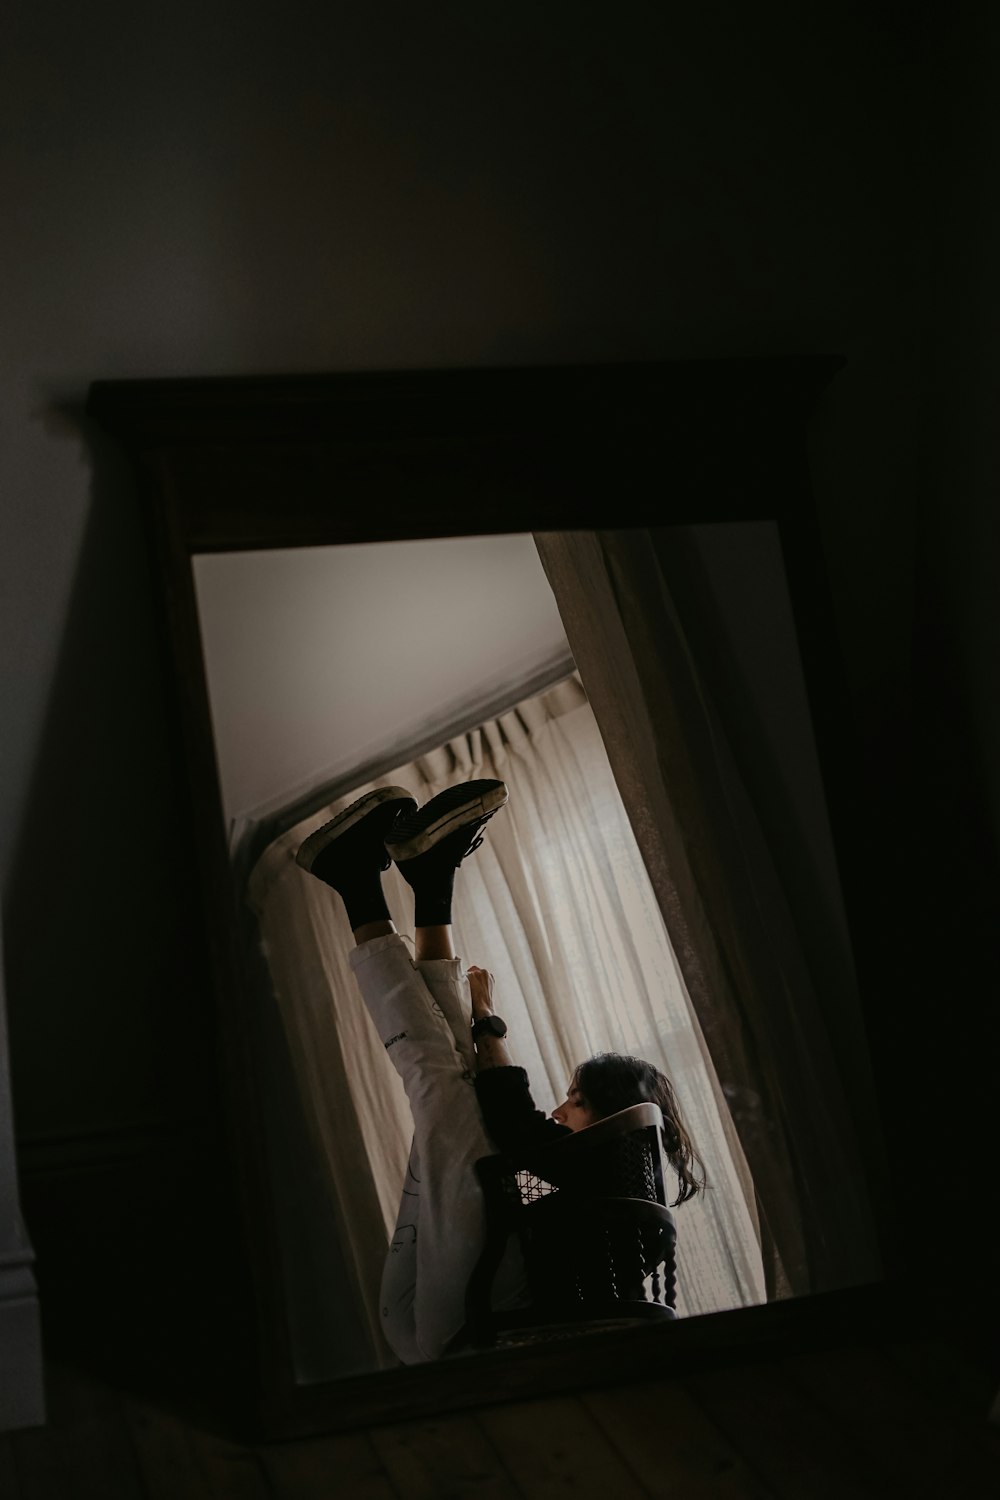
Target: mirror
{"type": "Point", "coordinates": [276, 644]}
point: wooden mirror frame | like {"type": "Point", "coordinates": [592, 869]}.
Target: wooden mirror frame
{"type": "Point", "coordinates": [239, 464]}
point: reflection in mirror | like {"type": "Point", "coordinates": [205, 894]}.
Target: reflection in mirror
{"type": "Point", "coordinates": [421, 664]}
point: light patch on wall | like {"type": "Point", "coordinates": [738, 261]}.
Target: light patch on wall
{"type": "Point", "coordinates": [321, 658]}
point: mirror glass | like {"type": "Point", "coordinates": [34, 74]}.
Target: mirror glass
{"type": "Point", "coordinates": [425, 663]}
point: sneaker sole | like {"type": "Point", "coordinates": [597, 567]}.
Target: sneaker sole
{"type": "Point", "coordinates": [309, 851]}
{"type": "Point", "coordinates": [468, 806]}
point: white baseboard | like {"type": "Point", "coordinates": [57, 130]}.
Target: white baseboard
{"type": "Point", "coordinates": [22, 1394]}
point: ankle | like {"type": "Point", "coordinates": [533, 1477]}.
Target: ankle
{"type": "Point", "coordinates": [433, 942]}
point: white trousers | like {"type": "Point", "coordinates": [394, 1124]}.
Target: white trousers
{"type": "Point", "coordinates": [422, 1012]}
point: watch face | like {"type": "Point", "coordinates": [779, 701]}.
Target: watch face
{"type": "Point", "coordinates": [490, 1026]}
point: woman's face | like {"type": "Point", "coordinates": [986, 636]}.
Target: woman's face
{"type": "Point", "coordinates": [575, 1111]}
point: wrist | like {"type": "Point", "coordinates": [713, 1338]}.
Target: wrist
{"type": "Point", "coordinates": [488, 1025]}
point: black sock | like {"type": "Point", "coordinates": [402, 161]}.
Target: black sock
{"type": "Point", "coordinates": [432, 898]}
{"type": "Point", "coordinates": [362, 894]}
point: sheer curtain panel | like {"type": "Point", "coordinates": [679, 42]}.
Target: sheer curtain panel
{"type": "Point", "coordinates": [708, 852]}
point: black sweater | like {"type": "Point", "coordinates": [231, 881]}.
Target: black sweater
{"type": "Point", "coordinates": [510, 1116]}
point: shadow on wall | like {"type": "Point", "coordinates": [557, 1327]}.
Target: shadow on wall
{"type": "Point", "coordinates": [110, 1016]}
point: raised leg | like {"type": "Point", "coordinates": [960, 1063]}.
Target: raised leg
{"type": "Point", "coordinates": [445, 979]}
{"type": "Point", "coordinates": [398, 1292]}
{"type": "Point", "coordinates": [421, 1011]}
{"type": "Point", "coordinates": [449, 1137]}
{"type": "Point", "coordinates": [428, 845]}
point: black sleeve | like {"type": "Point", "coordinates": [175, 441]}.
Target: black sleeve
{"type": "Point", "coordinates": [510, 1116]}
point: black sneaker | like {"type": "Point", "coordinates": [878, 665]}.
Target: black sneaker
{"type": "Point", "coordinates": [355, 837]}
{"type": "Point", "coordinates": [447, 826]}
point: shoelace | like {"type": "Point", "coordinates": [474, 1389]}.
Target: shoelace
{"type": "Point", "coordinates": [479, 837]}
{"type": "Point", "coordinates": [474, 845]}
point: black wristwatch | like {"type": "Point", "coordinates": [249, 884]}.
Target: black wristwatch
{"type": "Point", "coordinates": [488, 1026]}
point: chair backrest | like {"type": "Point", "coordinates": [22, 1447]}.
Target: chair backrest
{"type": "Point", "coordinates": [590, 1213]}
{"type": "Point", "coordinates": [620, 1156]}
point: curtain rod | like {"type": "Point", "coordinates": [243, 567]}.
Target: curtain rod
{"type": "Point", "coordinates": [251, 833]}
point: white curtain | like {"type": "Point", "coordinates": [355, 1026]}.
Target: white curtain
{"type": "Point", "coordinates": [558, 905]}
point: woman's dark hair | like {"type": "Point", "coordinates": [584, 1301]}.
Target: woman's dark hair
{"type": "Point", "coordinates": [611, 1082]}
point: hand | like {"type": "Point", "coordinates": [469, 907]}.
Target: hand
{"type": "Point", "coordinates": [481, 990]}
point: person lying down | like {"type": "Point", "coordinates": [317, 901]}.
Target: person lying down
{"type": "Point", "coordinates": [467, 1098]}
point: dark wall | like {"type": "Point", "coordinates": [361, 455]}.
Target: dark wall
{"type": "Point", "coordinates": [506, 186]}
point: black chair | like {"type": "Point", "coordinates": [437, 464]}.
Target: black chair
{"type": "Point", "coordinates": [590, 1213]}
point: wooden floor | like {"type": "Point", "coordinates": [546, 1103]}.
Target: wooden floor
{"type": "Point", "coordinates": [907, 1421]}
